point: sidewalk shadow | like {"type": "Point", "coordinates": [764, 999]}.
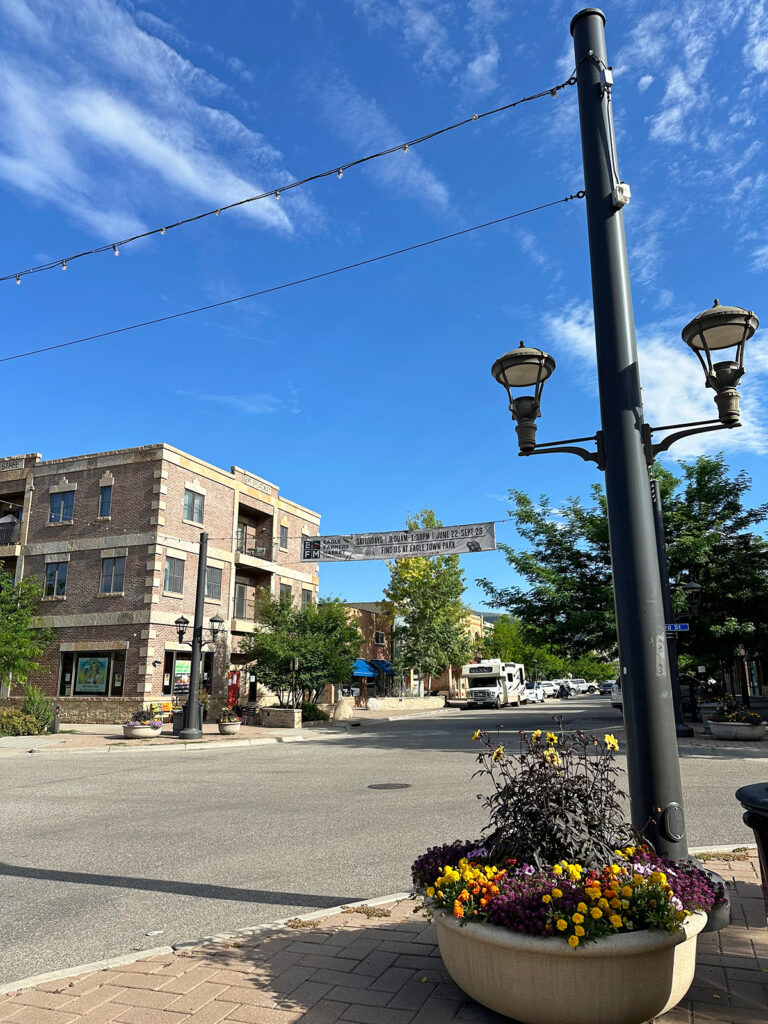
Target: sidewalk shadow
{"type": "Point", "coordinates": [200, 889]}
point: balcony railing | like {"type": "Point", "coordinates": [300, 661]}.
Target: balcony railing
{"type": "Point", "coordinates": [254, 542]}
{"type": "Point", "coordinates": [9, 533]}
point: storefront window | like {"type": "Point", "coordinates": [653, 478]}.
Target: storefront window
{"type": "Point", "coordinates": [177, 671]}
{"type": "Point", "coordinates": [91, 673]}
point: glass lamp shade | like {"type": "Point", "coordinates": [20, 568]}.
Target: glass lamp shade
{"type": "Point", "coordinates": [181, 625]}
{"type": "Point", "coordinates": [720, 327]}
{"type": "Point", "coordinates": [215, 623]}
{"type": "Point", "coordinates": [523, 367]}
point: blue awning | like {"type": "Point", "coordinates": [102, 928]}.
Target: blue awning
{"type": "Point", "coordinates": [383, 666]}
{"type": "Point", "coordinates": [362, 668]}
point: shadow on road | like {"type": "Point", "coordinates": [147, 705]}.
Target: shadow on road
{"type": "Point", "coordinates": [199, 889]}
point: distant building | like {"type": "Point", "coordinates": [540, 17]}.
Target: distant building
{"type": "Point", "coordinates": [114, 539]}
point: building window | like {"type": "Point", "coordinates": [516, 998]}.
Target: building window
{"type": "Point", "coordinates": [286, 592]}
{"type": "Point", "coordinates": [56, 579]}
{"type": "Point", "coordinates": [105, 502]}
{"type": "Point", "coordinates": [379, 638]}
{"type": "Point", "coordinates": [283, 537]}
{"type": "Point", "coordinates": [306, 598]}
{"type": "Point", "coordinates": [112, 575]}
{"type": "Point", "coordinates": [174, 575]}
{"type": "Point", "coordinates": [92, 674]}
{"type": "Point", "coordinates": [241, 601]}
{"type": "Point", "coordinates": [213, 583]}
{"type": "Point", "coordinates": [194, 504]}
{"type": "Point", "coordinates": [62, 507]}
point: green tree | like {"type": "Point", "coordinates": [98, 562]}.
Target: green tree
{"type": "Point", "coordinates": [711, 539]}
{"type": "Point", "coordinates": [423, 597]}
{"type": "Point", "coordinates": [22, 639]}
{"type": "Point", "coordinates": [321, 636]}
{"type": "Point", "coordinates": [509, 641]}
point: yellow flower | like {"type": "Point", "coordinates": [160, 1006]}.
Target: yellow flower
{"type": "Point", "coordinates": [596, 913]}
{"type": "Point", "coordinates": [546, 898]}
{"type": "Point", "coordinates": [498, 753]}
{"type": "Point", "coordinates": [610, 741]}
{"type": "Point", "coordinates": [557, 870]}
{"type": "Point", "coordinates": [574, 872]}
{"type": "Point", "coordinates": [578, 918]}
{"type": "Point", "coordinates": [557, 893]}
{"type": "Point", "coordinates": [579, 931]}
{"type": "Point", "coordinates": [573, 940]}
{"type": "Point", "coordinates": [637, 879]}
{"type": "Point", "coordinates": [430, 890]}
{"type": "Point", "coordinates": [615, 869]}
{"type": "Point", "coordinates": [630, 851]}
{"type": "Point", "coordinates": [551, 738]}
{"type": "Point", "coordinates": [625, 904]}
{"type": "Point", "coordinates": [476, 736]}
{"type": "Point", "coordinates": [561, 924]}
{"type": "Point", "coordinates": [603, 903]}
{"type": "Point", "coordinates": [615, 920]}
{"type": "Point", "coordinates": [536, 735]}
{"type": "Point", "coordinates": [582, 908]}
{"type": "Point", "coordinates": [553, 757]}
{"type": "Point", "coordinates": [616, 903]}
{"type": "Point", "coordinates": [626, 891]}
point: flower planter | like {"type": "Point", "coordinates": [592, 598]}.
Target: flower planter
{"type": "Point", "coordinates": [142, 732]}
{"type": "Point", "coordinates": [623, 979]}
{"type": "Point", "coordinates": [229, 728]}
{"type": "Point", "coordinates": [736, 730]}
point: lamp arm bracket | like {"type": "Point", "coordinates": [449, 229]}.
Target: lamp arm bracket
{"type": "Point", "coordinates": [652, 450]}
{"type": "Point", "coordinates": [554, 447]}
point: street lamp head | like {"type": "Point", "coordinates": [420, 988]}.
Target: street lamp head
{"type": "Point", "coordinates": [524, 368]}
{"type": "Point", "coordinates": [181, 627]}
{"type": "Point", "coordinates": [216, 622]}
{"type": "Point", "coordinates": [692, 593]}
{"type": "Point", "coordinates": [715, 330]}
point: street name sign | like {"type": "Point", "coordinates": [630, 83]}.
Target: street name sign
{"type": "Point", "coordinates": [677, 627]}
{"type": "Point", "coordinates": [438, 540]}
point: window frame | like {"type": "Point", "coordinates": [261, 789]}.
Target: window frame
{"type": "Point", "coordinates": [108, 513]}
{"type": "Point", "coordinates": [196, 498]}
{"type": "Point", "coordinates": [57, 579]}
{"type": "Point", "coordinates": [286, 590]}
{"type": "Point", "coordinates": [114, 559]}
{"type": "Point", "coordinates": [60, 498]}
{"type": "Point", "coordinates": [212, 569]}
{"type": "Point", "coordinates": [283, 533]}
{"type": "Point", "coordinates": [172, 577]}
{"type": "Point", "coordinates": [379, 633]}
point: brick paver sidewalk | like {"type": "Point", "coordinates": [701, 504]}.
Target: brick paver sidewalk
{"type": "Point", "coordinates": [367, 969]}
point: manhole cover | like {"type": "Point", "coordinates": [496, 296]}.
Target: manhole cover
{"type": "Point", "coordinates": [390, 785]}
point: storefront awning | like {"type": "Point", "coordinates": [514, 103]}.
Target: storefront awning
{"type": "Point", "coordinates": [383, 666]}
{"type": "Point", "coordinates": [361, 668]}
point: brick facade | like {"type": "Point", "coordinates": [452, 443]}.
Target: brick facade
{"type": "Point", "coordinates": [131, 632]}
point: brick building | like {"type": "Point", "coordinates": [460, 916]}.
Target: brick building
{"type": "Point", "coordinates": [114, 538]}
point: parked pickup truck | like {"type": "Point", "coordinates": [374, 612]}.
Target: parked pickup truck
{"type": "Point", "coordinates": [494, 683]}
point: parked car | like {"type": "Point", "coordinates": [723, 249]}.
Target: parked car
{"type": "Point", "coordinates": [578, 685]}
{"type": "Point", "coordinates": [605, 688]}
{"type": "Point", "coordinates": [616, 698]}
{"type": "Point", "coordinates": [534, 693]}
{"type": "Point", "coordinates": [549, 687]}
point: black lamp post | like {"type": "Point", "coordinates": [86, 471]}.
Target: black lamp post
{"type": "Point", "coordinates": [191, 729]}
{"type": "Point", "coordinates": [624, 448]}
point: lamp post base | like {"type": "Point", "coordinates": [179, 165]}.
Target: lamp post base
{"type": "Point", "coordinates": [190, 734]}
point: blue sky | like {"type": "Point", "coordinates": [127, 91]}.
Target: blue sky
{"type": "Point", "coordinates": [367, 395]}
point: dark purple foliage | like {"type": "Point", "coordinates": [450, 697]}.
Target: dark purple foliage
{"type": "Point", "coordinates": [426, 868]}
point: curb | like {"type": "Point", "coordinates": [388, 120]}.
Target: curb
{"type": "Point", "coordinates": [206, 940]}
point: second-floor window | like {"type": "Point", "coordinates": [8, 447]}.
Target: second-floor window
{"type": "Point", "coordinates": [306, 598]}
{"type": "Point", "coordinates": [379, 639]}
{"type": "Point", "coordinates": [62, 507]}
{"type": "Point", "coordinates": [112, 575]}
{"type": "Point", "coordinates": [241, 601]}
{"type": "Point", "coordinates": [174, 575]}
{"type": "Point", "coordinates": [56, 579]}
{"type": "Point", "coordinates": [286, 592]}
{"type": "Point", "coordinates": [194, 505]}
{"type": "Point", "coordinates": [213, 583]}
{"type": "Point", "coordinates": [105, 502]}
{"type": "Point", "coordinates": [283, 536]}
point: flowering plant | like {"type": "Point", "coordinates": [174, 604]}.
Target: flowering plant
{"type": "Point", "coordinates": [228, 716]}
{"type": "Point", "coordinates": [145, 716]}
{"type": "Point", "coordinates": [729, 711]}
{"type": "Point", "coordinates": [556, 797]}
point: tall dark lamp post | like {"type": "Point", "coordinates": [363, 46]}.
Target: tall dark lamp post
{"type": "Point", "coordinates": [624, 447]}
{"type": "Point", "coordinates": [191, 729]}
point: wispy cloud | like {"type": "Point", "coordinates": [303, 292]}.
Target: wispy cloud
{"type": "Point", "coordinates": [672, 380]}
{"type": "Point", "coordinates": [250, 405]}
{"type": "Point", "coordinates": [92, 102]}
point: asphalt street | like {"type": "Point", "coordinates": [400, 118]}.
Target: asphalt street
{"type": "Point", "coordinates": [106, 854]}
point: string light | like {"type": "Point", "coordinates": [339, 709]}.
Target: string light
{"type": "Point", "coordinates": [18, 279]}
{"type": "Point", "coordinates": [63, 264]}
{"type": "Point", "coordinates": [115, 250]}
{"type": "Point", "coordinates": [339, 174]}
{"type": "Point", "coordinates": [291, 284]}
{"type": "Point", "coordinates": [337, 169]}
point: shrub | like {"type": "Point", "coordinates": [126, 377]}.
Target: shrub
{"type": "Point", "coordinates": [15, 722]}
{"type": "Point", "coordinates": [312, 713]}
{"type": "Point", "coordinates": [38, 705]}
{"type": "Point", "coordinates": [730, 711]}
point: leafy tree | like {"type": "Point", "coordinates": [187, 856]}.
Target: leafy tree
{"type": "Point", "coordinates": [321, 636]}
{"type": "Point", "coordinates": [22, 640]}
{"type": "Point", "coordinates": [509, 642]}
{"type": "Point", "coordinates": [710, 535]}
{"type": "Point", "coordinates": [423, 597]}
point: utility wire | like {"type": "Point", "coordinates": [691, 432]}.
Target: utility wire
{"type": "Point", "coordinates": [275, 193]}
{"type": "Point", "coordinates": [289, 284]}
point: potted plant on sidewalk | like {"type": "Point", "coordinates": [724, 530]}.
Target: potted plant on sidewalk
{"type": "Point", "coordinates": [229, 722]}
{"type": "Point", "coordinates": [731, 722]}
{"type": "Point", "coordinates": [559, 912]}
{"type": "Point", "coordinates": [143, 724]}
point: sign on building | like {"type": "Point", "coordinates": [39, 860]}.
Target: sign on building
{"type": "Point", "coordinates": [438, 540]}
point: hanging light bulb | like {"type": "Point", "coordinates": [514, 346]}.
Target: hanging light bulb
{"type": "Point", "coordinates": [277, 195]}
{"type": "Point", "coordinates": [339, 173]}
{"type": "Point", "coordinates": [18, 279]}
{"type": "Point", "coordinates": [162, 231]}
{"type": "Point", "coordinates": [405, 148]}
{"type": "Point", "coordinates": [115, 250]}
{"type": "Point", "coordinates": [63, 264]}
{"type": "Point", "coordinates": [218, 212]}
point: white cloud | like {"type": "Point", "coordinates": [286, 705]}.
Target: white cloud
{"type": "Point", "coordinates": [252, 404]}
{"type": "Point", "coordinates": [644, 82]}
{"type": "Point", "coordinates": [418, 25]}
{"type": "Point", "coordinates": [481, 72]}
{"type": "Point", "coordinates": [530, 246]}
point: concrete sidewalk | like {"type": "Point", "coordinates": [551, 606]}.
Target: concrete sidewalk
{"type": "Point", "coordinates": [374, 964]}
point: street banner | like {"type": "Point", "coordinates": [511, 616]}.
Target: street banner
{"type": "Point", "coordinates": [438, 540]}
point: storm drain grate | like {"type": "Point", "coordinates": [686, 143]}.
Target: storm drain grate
{"type": "Point", "coordinates": [390, 785]}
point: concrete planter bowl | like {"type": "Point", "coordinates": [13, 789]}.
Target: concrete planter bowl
{"type": "Point", "coordinates": [736, 730]}
{"type": "Point", "coordinates": [229, 728]}
{"type": "Point", "coordinates": [141, 732]}
{"type": "Point", "coordinates": [625, 979]}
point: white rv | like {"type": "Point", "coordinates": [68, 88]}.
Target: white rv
{"type": "Point", "coordinates": [493, 683]}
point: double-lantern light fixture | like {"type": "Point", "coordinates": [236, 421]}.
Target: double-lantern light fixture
{"type": "Point", "coordinates": [215, 623]}
{"type": "Point", "coordinates": [713, 331]}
